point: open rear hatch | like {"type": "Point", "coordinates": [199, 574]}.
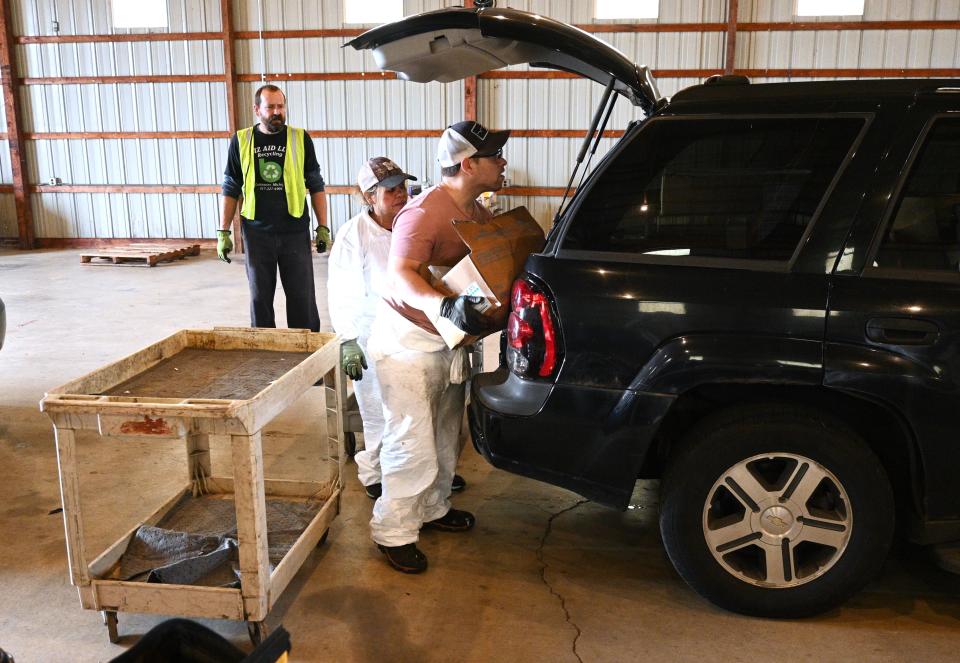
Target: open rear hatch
{"type": "Point", "coordinates": [451, 44]}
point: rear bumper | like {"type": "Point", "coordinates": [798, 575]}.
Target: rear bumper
{"type": "Point", "coordinates": [589, 440]}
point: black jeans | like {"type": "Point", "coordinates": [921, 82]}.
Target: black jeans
{"type": "Point", "coordinates": [268, 252]}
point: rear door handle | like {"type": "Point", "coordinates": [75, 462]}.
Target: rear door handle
{"type": "Point", "coordinates": [902, 331]}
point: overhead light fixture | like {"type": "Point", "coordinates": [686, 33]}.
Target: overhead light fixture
{"type": "Point", "coordinates": [139, 13]}
{"type": "Point", "coordinates": [830, 7]}
{"type": "Point", "coordinates": [627, 9]}
{"type": "Point", "coordinates": [372, 11]}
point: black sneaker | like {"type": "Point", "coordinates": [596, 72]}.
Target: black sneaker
{"type": "Point", "coordinates": [406, 558]}
{"type": "Point", "coordinates": [458, 483]}
{"type": "Point", "coordinates": [454, 521]}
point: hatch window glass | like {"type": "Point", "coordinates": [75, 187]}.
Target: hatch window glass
{"type": "Point", "coordinates": [924, 232]}
{"type": "Point", "coordinates": [730, 188]}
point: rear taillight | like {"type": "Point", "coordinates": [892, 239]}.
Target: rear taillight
{"type": "Point", "coordinates": [531, 332]}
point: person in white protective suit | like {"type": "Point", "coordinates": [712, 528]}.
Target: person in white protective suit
{"type": "Point", "coordinates": [421, 380]}
{"type": "Point", "coordinates": [355, 285]}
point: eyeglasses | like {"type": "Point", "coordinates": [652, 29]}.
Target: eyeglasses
{"type": "Point", "coordinates": [495, 155]}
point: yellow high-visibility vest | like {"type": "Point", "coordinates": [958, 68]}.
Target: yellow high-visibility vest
{"type": "Point", "coordinates": [293, 176]}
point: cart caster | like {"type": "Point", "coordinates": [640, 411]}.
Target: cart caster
{"type": "Point", "coordinates": [258, 632]}
{"type": "Point", "coordinates": [323, 538]}
{"type": "Point", "coordinates": [110, 619]}
{"type": "Point", "coordinates": [350, 443]}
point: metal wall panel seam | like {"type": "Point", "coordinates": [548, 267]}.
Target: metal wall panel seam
{"type": "Point", "coordinates": [88, 145]}
{"type": "Point", "coordinates": [19, 21]}
{"type": "Point", "coordinates": [7, 212]}
{"type": "Point", "coordinates": [6, 167]}
{"type": "Point", "coordinates": [98, 201]}
{"type": "Point", "coordinates": [123, 222]}
{"type": "Point", "coordinates": [34, 29]}
{"type": "Point", "coordinates": [46, 147]}
{"type": "Point", "coordinates": [177, 198]}
{"type": "Point", "coordinates": [194, 163]}
{"type": "Point", "coordinates": [137, 144]}
{"type": "Point", "coordinates": [282, 48]}
{"type": "Point", "coordinates": [156, 145]}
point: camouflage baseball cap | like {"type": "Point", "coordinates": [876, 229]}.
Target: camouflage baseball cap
{"type": "Point", "coordinates": [383, 172]}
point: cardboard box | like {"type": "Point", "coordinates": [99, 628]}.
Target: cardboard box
{"type": "Point", "coordinates": [498, 250]}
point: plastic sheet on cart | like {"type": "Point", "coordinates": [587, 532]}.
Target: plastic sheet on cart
{"type": "Point", "coordinates": [196, 543]}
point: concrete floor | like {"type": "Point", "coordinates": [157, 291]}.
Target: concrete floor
{"type": "Point", "coordinates": [543, 577]}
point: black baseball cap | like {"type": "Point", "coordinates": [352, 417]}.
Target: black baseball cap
{"type": "Point", "coordinates": [467, 139]}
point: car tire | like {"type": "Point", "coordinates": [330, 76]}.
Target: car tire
{"type": "Point", "coordinates": [840, 534]}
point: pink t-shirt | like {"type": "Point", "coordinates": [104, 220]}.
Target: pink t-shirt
{"type": "Point", "coordinates": [423, 231]}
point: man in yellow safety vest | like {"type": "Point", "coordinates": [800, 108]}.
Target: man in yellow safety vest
{"type": "Point", "coordinates": [270, 168]}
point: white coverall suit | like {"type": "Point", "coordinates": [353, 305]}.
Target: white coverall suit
{"type": "Point", "coordinates": [355, 284]}
{"type": "Point", "coordinates": [423, 400]}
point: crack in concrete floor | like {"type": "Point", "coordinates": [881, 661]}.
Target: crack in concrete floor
{"type": "Point", "coordinates": [543, 574]}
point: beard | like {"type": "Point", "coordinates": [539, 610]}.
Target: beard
{"type": "Point", "coordinates": [274, 122]}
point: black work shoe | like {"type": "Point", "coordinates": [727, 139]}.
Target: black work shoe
{"type": "Point", "coordinates": [406, 558]}
{"type": "Point", "coordinates": [454, 521]}
{"type": "Point", "coordinates": [457, 484]}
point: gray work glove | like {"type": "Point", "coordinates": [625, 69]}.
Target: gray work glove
{"type": "Point", "coordinates": [352, 359]}
{"type": "Point", "coordinates": [461, 312]}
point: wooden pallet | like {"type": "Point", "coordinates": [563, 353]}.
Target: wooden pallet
{"type": "Point", "coordinates": [139, 254]}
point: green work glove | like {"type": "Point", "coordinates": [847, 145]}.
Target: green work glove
{"type": "Point", "coordinates": [323, 241]}
{"type": "Point", "coordinates": [352, 359]}
{"type": "Point", "coordinates": [224, 245]}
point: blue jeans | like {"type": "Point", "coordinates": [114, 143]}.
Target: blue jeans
{"type": "Point", "coordinates": [289, 253]}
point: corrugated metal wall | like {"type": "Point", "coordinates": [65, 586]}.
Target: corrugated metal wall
{"type": "Point", "coordinates": [356, 105]}
{"type": "Point", "coordinates": [851, 49]}
{"type": "Point", "coordinates": [127, 107]}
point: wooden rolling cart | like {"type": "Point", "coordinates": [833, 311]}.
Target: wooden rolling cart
{"type": "Point", "coordinates": [234, 382]}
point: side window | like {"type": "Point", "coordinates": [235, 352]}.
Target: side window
{"type": "Point", "coordinates": [730, 188]}
{"type": "Point", "coordinates": [924, 232]}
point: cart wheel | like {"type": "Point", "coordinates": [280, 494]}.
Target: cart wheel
{"type": "Point", "coordinates": [350, 442]}
{"type": "Point", "coordinates": [258, 631]}
{"type": "Point", "coordinates": [323, 538]}
{"type": "Point", "coordinates": [110, 619]}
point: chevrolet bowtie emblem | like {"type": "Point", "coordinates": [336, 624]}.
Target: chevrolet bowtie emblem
{"type": "Point", "coordinates": [777, 520]}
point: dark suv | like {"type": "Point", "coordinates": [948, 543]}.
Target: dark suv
{"type": "Point", "coordinates": [755, 297]}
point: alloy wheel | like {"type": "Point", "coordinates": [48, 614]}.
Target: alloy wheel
{"type": "Point", "coordinates": [777, 520]}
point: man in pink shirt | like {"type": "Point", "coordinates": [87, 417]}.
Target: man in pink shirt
{"type": "Point", "coordinates": [422, 381]}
